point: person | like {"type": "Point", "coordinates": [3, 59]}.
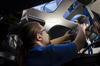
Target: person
{"type": "Point", "coordinates": [96, 26]}
{"type": "Point", "coordinates": [38, 50]}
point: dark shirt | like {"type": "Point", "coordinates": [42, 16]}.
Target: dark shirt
{"type": "Point", "coordinates": [51, 55]}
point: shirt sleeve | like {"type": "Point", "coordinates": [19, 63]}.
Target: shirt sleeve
{"type": "Point", "coordinates": [63, 52]}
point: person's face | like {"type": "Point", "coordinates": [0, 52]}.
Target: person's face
{"type": "Point", "coordinates": [45, 36]}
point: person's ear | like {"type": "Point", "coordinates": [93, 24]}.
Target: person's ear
{"type": "Point", "coordinates": [38, 37]}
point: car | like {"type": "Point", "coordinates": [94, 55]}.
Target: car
{"type": "Point", "coordinates": [56, 22]}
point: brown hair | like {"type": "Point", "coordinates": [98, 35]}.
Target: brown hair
{"type": "Point", "coordinates": [27, 35]}
{"type": "Point", "coordinates": [82, 19]}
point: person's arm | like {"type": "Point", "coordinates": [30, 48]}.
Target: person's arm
{"type": "Point", "coordinates": [81, 37]}
{"type": "Point", "coordinates": [95, 29]}
{"type": "Point", "coordinates": [60, 39]}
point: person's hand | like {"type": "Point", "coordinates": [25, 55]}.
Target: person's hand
{"type": "Point", "coordinates": [94, 29]}
{"type": "Point", "coordinates": [69, 33]}
{"type": "Point", "coordinates": [97, 28]}
{"type": "Point", "coordinates": [97, 24]}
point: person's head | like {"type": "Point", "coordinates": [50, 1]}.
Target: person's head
{"type": "Point", "coordinates": [83, 19]}
{"type": "Point", "coordinates": [30, 33]}
{"type": "Point", "coordinates": [33, 33]}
